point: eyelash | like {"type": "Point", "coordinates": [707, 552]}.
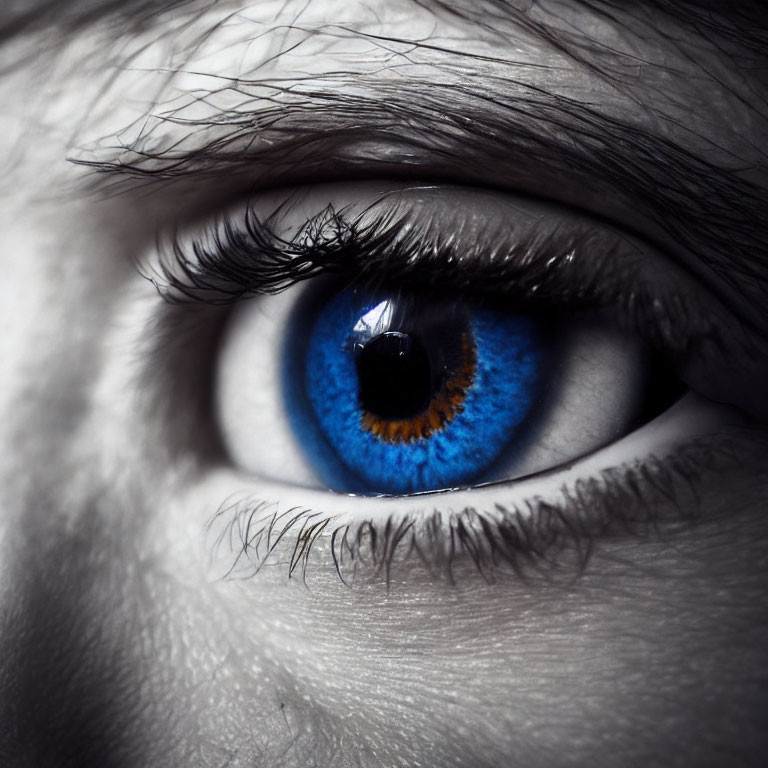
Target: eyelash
{"type": "Point", "coordinates": [234, 261]}
{"type": "Point", "coordinates": [533, 538]}
{"type": "Point", "coordinates": [538, 270]}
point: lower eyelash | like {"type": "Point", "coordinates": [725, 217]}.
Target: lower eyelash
{"type": "Point", "coordinates": [534, 536]}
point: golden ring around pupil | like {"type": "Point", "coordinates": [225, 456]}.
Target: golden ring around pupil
{"type": "Point", "coordinates": [441, 411]}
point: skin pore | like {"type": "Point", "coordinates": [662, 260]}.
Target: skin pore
{"type": "Point", "coordinates": [125, 637]}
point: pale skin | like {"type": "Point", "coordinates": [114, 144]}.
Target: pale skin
{"type": "Point", "coordinates": [121, 641]}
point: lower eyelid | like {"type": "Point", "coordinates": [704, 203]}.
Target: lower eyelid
{"type": "Point", "coordinates": [289, 523]}
{"type": "Point", "coordinates": [691, 418]}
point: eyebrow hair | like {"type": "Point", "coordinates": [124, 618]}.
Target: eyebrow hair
{"type": "Point", "coordinates": [706, 208]}
{"type": "Point", "coordinates": [745, 21]}
{"type": "Point", "coordinates": [709, 210]}
{"type": "Point", "coordinates": [20, 16]}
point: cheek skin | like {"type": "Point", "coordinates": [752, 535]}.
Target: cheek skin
{"type": "Point", "coordinates": [639, 658]}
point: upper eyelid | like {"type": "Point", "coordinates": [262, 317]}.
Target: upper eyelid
{"type": "Point", "coordinates": [714, 351]}
{"type": "Point", "coordinates": [556, 251]}
{"type": "Point", "coordinates": [699, 236]}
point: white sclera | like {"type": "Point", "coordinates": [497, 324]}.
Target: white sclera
{"type": "Point", "coordinates": [594, 395]}
{"type": "Point", "coordinates": [249, 392]}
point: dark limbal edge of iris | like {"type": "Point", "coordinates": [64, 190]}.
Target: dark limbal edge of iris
{"type": "Point", "coordinates": [403, 391]}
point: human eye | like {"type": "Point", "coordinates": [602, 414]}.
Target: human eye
{"type": "Point", "coordinates": [448, 371]}
{"type": "Point", "coordinates": [199, 570]}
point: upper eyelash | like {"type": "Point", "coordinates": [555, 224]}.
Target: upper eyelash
{"type": "Point", "coordinates": [391, 245]}
{"type": "Point", "coordinates": [531, 538]}
{"type": "Point", "coordinates": [546, 268]}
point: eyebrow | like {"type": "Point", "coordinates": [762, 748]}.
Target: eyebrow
{"type": "Point", "coordinates": [423, 129]}
{"type": "Point", "coordinates": [426, 128]}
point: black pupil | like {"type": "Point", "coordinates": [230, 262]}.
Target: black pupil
{"type": "Point", "coordinates": [395, 376]}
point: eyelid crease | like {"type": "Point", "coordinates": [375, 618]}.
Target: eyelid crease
{"type": "Point", "coordinates": [572, 263]}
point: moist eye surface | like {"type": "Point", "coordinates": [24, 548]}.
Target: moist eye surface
{"type": "Point", "coordinates": [370, 380]}
{"type": "Point", "coordinates": [399, 393]}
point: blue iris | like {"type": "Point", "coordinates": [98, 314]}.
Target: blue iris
{"type": "Point", "coordinates": [323, 395]}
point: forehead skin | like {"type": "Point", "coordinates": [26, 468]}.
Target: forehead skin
{"type": "Point", "coordinates": [151, 90]}
{"type": "Point", "coordinates": [117, 645]}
